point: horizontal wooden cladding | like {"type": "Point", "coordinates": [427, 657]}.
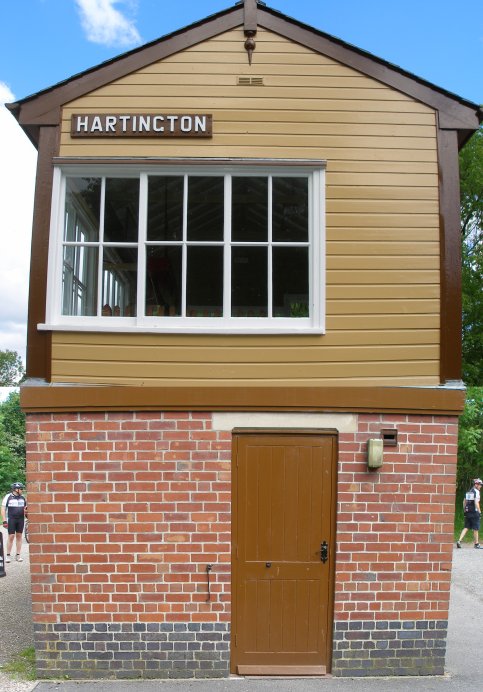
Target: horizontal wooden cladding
{"type": "Point", "coordinates": [381, 321]}
{"type": "Point", "coordinates": [387, 194]}
{"type": "Point", "coordinates": [386, 208]}
{"type": "Point", "coordinates": [112, 358]}
{"type": "Point", "coordinates": [286, 90]}
{"type": "Point", "coordinates": [362, 306]}
{"type": "Point", "coordinates": [414, 380]}
{"type": "Point", "coordinates": [297, 356]}
{"type": "Point", "coordinates": [352, 234]}
{"type": "Point", "coordinates": [250, 342]}
{"type": "Point", "coordinates": [394, 291]}
{"type": "Point", "coordinates": [244, 148]}
{"type": "Point", "coordinates": [375, 262]}
{"type": "Point", "coordinates": [127, 372]}
{"type": "Point", "coordinates": [383, 249]}
{"type": "Point", "coordinates": [405, 134]}
{"type": "Point", "coordinates": [381, 276]}
{"type": "Point", "coordinates": [422, 400]}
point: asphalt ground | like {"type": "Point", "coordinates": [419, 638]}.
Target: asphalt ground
{"type": "Point", "coordinates": [464, 658]}
{"type": "Point", "coordinates": [16, 630]}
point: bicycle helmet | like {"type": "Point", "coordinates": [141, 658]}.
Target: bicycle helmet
{"type": "Point", "coordinates": [17, 486]}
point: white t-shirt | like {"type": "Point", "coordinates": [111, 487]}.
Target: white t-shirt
{"type": "Point", "coordinates": [16, 503]}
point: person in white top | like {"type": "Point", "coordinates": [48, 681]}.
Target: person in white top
{"type": "Point", "coordinates": [471, 508]}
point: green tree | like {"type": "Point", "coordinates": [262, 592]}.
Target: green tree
{"type": "Point", "coordinates": [12, 442]}
{"type": "Point", "coordinates": [11, 369]}
{"type": "Point", "coordinates": [471, 177]}
{"type": "Point", "coordinates": [470, 435]}
{"type": "Point", "coordinates": [470, 439]}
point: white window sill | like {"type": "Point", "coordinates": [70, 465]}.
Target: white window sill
{"type": "Point", "coordinates": [176, 327]}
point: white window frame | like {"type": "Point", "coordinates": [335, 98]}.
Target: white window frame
{"type": "Point", "coordinates": [315, 323]}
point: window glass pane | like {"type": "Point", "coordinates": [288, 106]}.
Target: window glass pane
{"type": "Point", "coordinates": [165, 208]}
{"type": "Point", "coordinates": [121, 210]}
{"type": "Point", "coordinates": [163, 280]}
{"type": "Point", "coordinates": [249, 209]}
{"type": "Point", "coordinates": [249, 282]}
{"type": "Point", "coordinates": [82, 209]}
{"type": "Point", "coordinates": [79, 281]}
{"type": "Point", "coordinates": [119, 281]}
{"type": "Point", "coordinates": [290, 210]}
{"type": "Point", "coordinates": [290, 282]}
{"type": "Point", "coordinates": [204, 297]}
{"type": "Point", "coordinates": [205, 208]}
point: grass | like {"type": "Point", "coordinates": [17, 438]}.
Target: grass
{"type": "Point", "coordinates": [22, 665]}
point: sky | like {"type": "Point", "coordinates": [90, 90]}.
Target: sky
{"type": "Point", "coordinates": [43, 42]}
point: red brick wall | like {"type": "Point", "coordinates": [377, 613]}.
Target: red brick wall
{"type": "Point", "coordinates": [128, 509]}
{"type": "Point", "coordinates": [395, 525]}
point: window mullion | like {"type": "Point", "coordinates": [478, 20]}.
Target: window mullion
{"type": "Point", "coordinates": [227, 249]}
{"type": "Point", "coordinates": [55, 289]}
{"type": "Point", "coordinates": [184, 248]}
{"type": "Point", "coordinates": [142, 245]}
{"type": "Point", "coordinates": [269, 251]}
{"type": "Point", "coordinates": [100, 258]}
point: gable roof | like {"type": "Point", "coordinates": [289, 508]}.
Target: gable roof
{"type": "Point", "coordinates": [43, 108]}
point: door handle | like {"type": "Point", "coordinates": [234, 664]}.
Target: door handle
{"type": "Point", "coordinates": [324, 551]}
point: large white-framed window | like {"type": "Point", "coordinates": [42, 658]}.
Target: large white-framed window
{"type": "Point", "coordinates": [215, 248]}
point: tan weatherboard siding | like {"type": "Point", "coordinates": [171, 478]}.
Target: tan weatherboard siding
{"type": "Point", "coordinates": [382, 217]}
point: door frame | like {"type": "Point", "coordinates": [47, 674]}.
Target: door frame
{"type": "Point", "coordinates": [282, 432]}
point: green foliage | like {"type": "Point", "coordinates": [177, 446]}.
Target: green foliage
{"type": "Point", "coordinates": [11, 369]}
{"type": "Point", "coordinates": [299, 310]}
{"type": "Point", "coordinates": [12, 442]}
{"type": "Point", "coordinates": [470, 439]}
{"type": "Point", "coordinates": [22, 666]}
{"type": "Point", "coordinates": [471, 177]}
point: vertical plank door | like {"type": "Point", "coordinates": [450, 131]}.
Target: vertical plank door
{"type": "Point", "coordinates": [283, 497]}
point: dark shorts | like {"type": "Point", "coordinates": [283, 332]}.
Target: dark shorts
{"type": "Point", "coordinates": [15, 524]}
{"type": "Point", "coordinates": [472, 521]}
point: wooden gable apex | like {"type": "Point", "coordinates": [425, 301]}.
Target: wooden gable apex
{"type": "Point", "coordinates": [43, 108]}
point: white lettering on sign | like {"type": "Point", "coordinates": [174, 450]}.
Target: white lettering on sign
{"type": "Point", "coordinates": [141, 125]}
{"type": "Point", "coordinates": [82, 123]}
{"type": "Point", "coordinates": [157, 123]}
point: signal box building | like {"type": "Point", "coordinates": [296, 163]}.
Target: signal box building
{"type": "Point", "coordinates": [243, 358]}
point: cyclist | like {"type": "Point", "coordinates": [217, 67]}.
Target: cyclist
{"type": "Point", "coordinates": [14, 509]}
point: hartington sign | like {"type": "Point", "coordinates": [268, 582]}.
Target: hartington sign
{"type": "Point", "coordinates": [141, 125]}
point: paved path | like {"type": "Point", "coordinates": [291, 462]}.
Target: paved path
{"type": "Point", "coordinates": [463, 661]}
{"type": "Point", "coordinates": [16, 632]}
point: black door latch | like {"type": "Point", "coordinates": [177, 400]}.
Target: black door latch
{"type": "Point", "coordinates": [324, 551]}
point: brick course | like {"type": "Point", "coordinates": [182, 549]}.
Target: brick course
{"type": "Point", "coordinates": [127, 509]}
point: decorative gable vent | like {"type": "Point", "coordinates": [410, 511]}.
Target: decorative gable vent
{"type": "Point", "coordinates": [250, 81]}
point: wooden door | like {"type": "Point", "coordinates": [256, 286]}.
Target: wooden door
{"type": "Point", "coordinates": [283, 511]}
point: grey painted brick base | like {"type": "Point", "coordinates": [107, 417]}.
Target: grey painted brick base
{"type": "Point", "coordinates": [194, 650]}
{"type": "Point", "coordinates": [132, 650]}
{"type": "Point", "coordinates": [389, 648]}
